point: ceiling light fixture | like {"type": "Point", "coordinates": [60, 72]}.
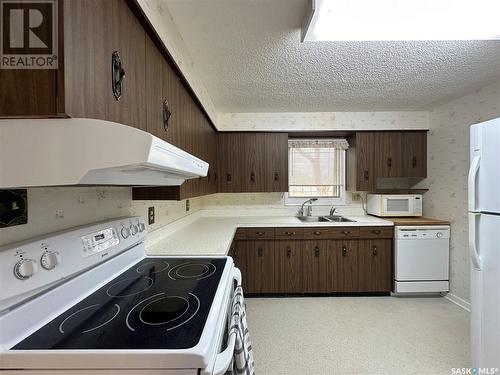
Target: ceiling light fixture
{"type": "Point", "coordinates": [393, 20]}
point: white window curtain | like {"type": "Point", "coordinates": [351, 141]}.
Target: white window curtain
{"type": "Point", "coordinates": [316, 167]}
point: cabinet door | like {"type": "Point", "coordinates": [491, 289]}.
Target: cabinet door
{"type": "Point", "coordinates": [365, 161]}
{"type": "Point", "coordinates": [415, 154]}
{"type": "Point", "coordinates": [315, 272]}
{"type": "Point", "coordinates": [388, 154]}
{"type": "Point", "coordinates": [375, 259]}
{"type": "Point", "coordinates": [238, 252]}
{"type": "Point", "coordinates": [260, 266]}
{"type": "Point", "coordinates": [276, 159]}
{"type": "Point", "coordinates": [288, 262]}
{"type": "Point", "coordinates": [254, 161]}
{"type": "Point", "coordinates": [154, 91]}
{"type": "Point", "coordinates": [344, 265]}
{"type": "Point", "coordinates": [230, 156]}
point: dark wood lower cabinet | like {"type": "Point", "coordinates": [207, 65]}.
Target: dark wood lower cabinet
{"type": "Point", "coordinates": [288, 266]}
{"type": "Point", "coordinates": [260, 268]}
{"type": "Point", "coordinates": [344, 266]}
{"type": "Point", "coordinates": [297, 265]}
{"type": "Point", "coordinates": [315, 267]}
{"type": "Point", "coordinates": [374, 262]}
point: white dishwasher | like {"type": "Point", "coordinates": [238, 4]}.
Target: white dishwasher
{"type": "Point", "coordinates": [422, 258]}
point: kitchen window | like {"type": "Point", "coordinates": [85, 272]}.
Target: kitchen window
{"type": "Point", "coordinates": [316, 169]}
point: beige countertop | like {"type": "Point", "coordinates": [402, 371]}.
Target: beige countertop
{"type": "Point", "coordinates": [211, 233]}
{"type": "Point", "coordinates": [417, 221]}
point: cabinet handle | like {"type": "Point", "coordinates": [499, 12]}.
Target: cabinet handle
{"type": "Point", "coordinates": [166, 114]}
{"type": "Point", "coordinates": [366, 175]}
{"type": "Point", "coordinates": [346, 232]}
{"type": "Point", "coordinates": [317, 232]}
{"type": "Point", "coordinates": [389, 162]}
{"type": "Point", "coordinates": [276, 176]}
{"type": "Point", "coordinates": [259, 233]}
{"type": "Point", "coordinates": [375, 251]}
{"type": "Point", "coordinates": [117, 75]}
{"type": "Point", "coordinates": [414, 162]}
{"type": "Point", "coordinates": [260, 251]}
{"type": "Point", "coordinates": [316, 252]}
{"type": "Point", "coordinates": [376, 231]}
{"type": "Point", "coordinates": [208, 176]}
{"type": "Point", "coordinates": [215, 177]}
{"type": "Point", "coordinates": [288, 252]}
{"type": "Point", "coordinates": [228, 178]}
{"type": "Point", "coordinates": [344, 251]}
{"type": "Point", "coordinates": [252, 177]}
{"type": "Point", "coordinates": [290, 233]}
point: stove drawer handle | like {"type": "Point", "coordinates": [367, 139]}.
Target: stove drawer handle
{"type": "Point", "coordinates": [224, 358]}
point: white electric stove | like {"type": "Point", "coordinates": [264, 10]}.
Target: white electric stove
{"type": "Point", "coordinates": [88, 301]}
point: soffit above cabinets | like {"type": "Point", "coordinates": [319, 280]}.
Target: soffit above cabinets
{"type": "Point", "coordinates": [250, 58]}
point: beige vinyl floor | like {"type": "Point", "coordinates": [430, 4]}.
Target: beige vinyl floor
{"type": "Point", "coordinates": [357, 335]}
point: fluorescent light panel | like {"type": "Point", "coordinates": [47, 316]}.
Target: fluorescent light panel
{"type": "Point", "coordinates": [385, 20]}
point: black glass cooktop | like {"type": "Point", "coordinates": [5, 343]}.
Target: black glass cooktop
{"type": "Point", "coordinates": [159, 303]}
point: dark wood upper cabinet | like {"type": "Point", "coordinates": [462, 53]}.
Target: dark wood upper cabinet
{"type": "Point", "coordinates": [253, 162]}
{"type": "Point", "coordinates": [374, 155]}
{"type": "Point", "coordinates": [415, 154]}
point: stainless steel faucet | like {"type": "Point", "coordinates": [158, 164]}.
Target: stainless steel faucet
{"type": "Point", "coordinates": [333, 210]}
{"type": "Point", "coordinates": [309, 208]}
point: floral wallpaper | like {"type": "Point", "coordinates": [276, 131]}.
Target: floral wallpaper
{"type": "Point", "coordinates": [448, 168]}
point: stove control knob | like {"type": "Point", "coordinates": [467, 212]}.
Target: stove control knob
{"type": "Point", "coordinates": [134, 229]}
{"type": "Point", "coordinates": [49, 260]}
{"type": "Point", "coordinates": [125, 232]}
{"type": "Point", "coordinates": [25, 268]}
{"type": "Point", "coordinates": [439, 234]}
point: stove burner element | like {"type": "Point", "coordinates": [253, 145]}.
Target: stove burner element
{"type": "Point", "coordinates": [152, 267]}
{"type": "Point", "coordinates": [189, 271]}
{"type": "Point", "coordinates": [164, 310]}
{"type": "Point", "coordinates": [129, 286]}
{"type": "Point", "coordinates": [89, 310]}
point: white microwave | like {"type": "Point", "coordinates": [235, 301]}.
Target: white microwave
{"type": "Point", "coordinates": [394, 205]}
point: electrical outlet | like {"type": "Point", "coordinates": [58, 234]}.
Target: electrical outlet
{"type": "Point", "coordinates": [187, 205]}
{"type": "Point", "coordinates": [151, 215]}
{"type": "Point", "coordinates": [356, 197]}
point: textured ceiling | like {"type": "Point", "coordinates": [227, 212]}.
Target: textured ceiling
{"type": "Point", "coordinates": [249, 55]}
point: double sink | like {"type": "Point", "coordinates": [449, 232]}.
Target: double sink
{"type": "Point", "coordinates": [325, 219]}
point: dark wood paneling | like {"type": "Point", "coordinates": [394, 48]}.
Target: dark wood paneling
{"type": "Point", "coordinates": [259, 233]}
{"type": "Point", "coordinates": [288, 266]}
{"type": "Point", "coordinates": [276, 162]}
{"type": "Point", "coordinates": [376, 232]}
{"type": "Point", "coordinates": [260, 266]}
{"type": "Point", "coordinates": [374, 270]}
{"type": "Point", "coordinates": [239, 254]}
{"type": "Point", "coordinates": [154, 90]}
{"type": "Point", "coordinates": [315, 270]}
{"type": "Point", "coordinates": [331, 232]}
{"type": "Point", "coordinates": [344, 265]}
{"type": "Point", "coordinates": [230, 162]}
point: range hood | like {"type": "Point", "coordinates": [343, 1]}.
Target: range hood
{"type": "Point", "coordinates": [77, 151]}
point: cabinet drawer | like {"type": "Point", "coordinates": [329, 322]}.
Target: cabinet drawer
{"type": "Point", "coordinates": [240, 234]}
{"type": "Point", "coordinates": [286, 233]}
{"type": "Point", "coordinates": [376, 232]}
{"type": "Point", "coordinates": [259, 233]}
{"type": "Point", "coordinates": [331, 233]}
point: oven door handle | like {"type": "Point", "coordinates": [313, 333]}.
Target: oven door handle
{"type": "Point", "coordinates": [224, 358]}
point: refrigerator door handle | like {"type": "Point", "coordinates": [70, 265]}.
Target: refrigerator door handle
{"type": "Point", "coordinates": [474, 255]}
{"type": "Point", "coordinates": [474, 168]}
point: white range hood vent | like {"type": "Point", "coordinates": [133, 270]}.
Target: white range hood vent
{"type": "Point", "coordinates": [61, 152]}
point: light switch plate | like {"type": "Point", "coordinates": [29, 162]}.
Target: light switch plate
{"type": "Point", "coordinates": [151, 215]}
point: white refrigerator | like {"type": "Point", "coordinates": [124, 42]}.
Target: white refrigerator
{"type": "Point", "coordinates": [484, 243]}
